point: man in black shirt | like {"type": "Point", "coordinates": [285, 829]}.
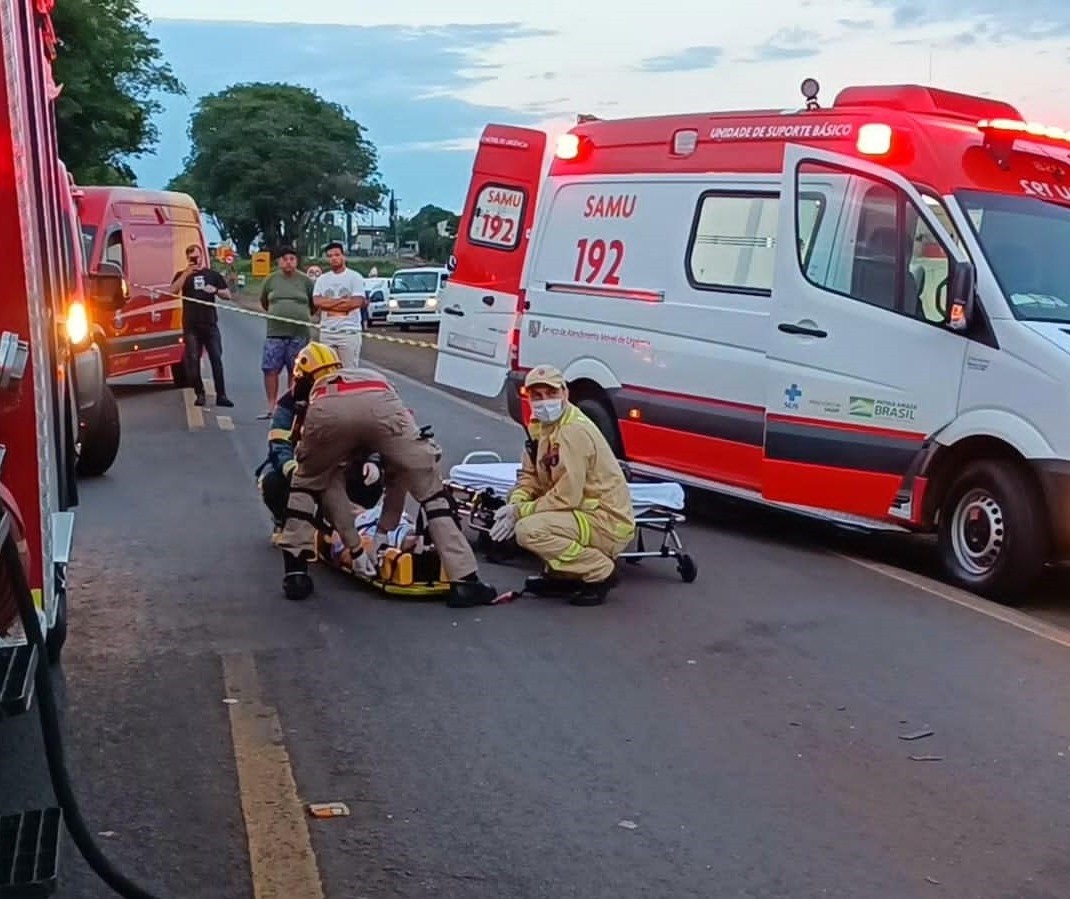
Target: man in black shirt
{"type": "Point", "coordinates": [200, 323]}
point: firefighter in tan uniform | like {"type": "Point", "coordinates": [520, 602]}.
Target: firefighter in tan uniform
{"type": "Point", "coordinates": [571, 506]}
{"type": "Point", "coordinates": [351, 413]}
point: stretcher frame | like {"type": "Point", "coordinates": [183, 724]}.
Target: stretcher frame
{"type": "Point", "coordinates": [650, 519]}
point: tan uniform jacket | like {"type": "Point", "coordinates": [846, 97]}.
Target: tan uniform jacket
{"type": "Point", "coordinates": [575, 471]}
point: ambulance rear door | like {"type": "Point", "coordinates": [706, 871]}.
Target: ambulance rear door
{"type": "Point", "coordinates": [480, 301]}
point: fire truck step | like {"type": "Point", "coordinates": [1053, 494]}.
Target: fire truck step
{"type": "Point", "coordinates": [29, 853]}
{"type": "Point", "coordinates": [18, 664]}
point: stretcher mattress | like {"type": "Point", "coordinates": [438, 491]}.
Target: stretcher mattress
{"type": "Point", "coordinates": [501, 476]}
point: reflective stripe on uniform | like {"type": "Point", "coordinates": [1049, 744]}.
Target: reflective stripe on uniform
{"type": "Point", "coordinates": [583, 525]}
{"type": "Point", "coordinates": [526, 508]}
{"type": "Point", "coordinates": [572, 552]}
{"type": "Point", "coordinates": [279, 434]}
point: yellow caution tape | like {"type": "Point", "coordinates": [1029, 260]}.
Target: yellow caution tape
{"type": "Point", "coordinates": [175, 301]}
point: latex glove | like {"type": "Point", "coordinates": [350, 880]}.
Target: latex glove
{"type": "Point", "coordinates": [504, 523]}
{"type": "Point", "coordinates": [372, 474]}
{"type": "Point", "coordinates": [289, 467]}
{"type": "Point", "coordinates": [364, 565]}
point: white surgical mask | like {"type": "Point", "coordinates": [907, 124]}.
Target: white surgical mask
{"type": "Point", "coordinates": [547, 411]}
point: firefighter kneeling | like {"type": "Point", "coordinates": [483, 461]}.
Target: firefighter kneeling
{"type": "Point", "coordinates": [571, 506]}
{"type": "Point", "coordinates": [352, 413]}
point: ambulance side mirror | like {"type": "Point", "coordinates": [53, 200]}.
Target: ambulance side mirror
{"type": "Point", "coordinates": [107, 286]}
{"type": "Point", "coordinates": [961, 294]}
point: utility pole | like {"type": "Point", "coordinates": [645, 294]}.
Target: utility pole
{"type": "Point", "coordinates": [397, 226]}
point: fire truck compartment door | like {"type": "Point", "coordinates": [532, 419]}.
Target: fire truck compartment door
{"type": "Point", "coordinates": [860, 370]}
{"type": "Point", "coordinates": [479, 303]}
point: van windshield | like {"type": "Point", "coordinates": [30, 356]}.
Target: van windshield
{"type": "Point", "coordinates": [1026, 241]}
{"type": "Point", "coordinates": [414, 282]}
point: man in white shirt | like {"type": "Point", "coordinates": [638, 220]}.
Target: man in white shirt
{"type": "Point", "coordinates": [339, 297]}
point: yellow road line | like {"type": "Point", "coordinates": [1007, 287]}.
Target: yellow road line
{"type": "Point", "coordinates": [1020, 620]}
{"type": "Point", "coordinates": [225, 422]}
{"type": "Point", "coordinates": [194, 414]}
{"type": "Point", "coordinates": [282, 863]}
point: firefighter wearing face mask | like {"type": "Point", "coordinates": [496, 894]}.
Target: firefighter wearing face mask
{"type": "Point", "coordinates": [351, 413]}
{"type": "Point", "coordinates": [571, 506]}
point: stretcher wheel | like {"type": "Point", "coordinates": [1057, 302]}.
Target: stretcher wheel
{"type": "Point", "coordinates": [687, 568]}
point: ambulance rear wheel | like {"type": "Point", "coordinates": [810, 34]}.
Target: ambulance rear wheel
{"type": "Point", "coordinates": [56, 637]}
{"type": "Point", "coordinates": [101, 436]}
{"type": "Point", "coordinates": [993, 535]}
{"type": "Point", "coordinates": [599, 413]}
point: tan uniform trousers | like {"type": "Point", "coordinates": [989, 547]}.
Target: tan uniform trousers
{"type": "Point", "coordinates": [555, 537]}
{"type": "Point", "coordinates": [338, 427]}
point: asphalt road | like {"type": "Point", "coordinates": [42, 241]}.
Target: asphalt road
{"type": "Point", "coordinates": [737, 737]}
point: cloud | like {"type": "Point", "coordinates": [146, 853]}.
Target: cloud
{"type": "Point", "coordinates": [690, 59]}
{"type": "Point", "coordinates": [1030, 20]}
{"type": "Point", "coordinates": [788, 43]}
{"type": "Point", "coordinates": [403, 84]}
{"type": "Point", "coordinates": [857, 24]}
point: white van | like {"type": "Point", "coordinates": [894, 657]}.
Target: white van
{"type": "Point", "coordinates": [860, 313]}
{"type": "Point", "coordinates": [414, 296]}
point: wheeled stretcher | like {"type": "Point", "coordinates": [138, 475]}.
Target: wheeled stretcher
{"type": "Point", "coordinates": [481, 483]}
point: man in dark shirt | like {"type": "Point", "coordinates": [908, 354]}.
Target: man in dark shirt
{"type": "Point", "coordinates": [200, 323]}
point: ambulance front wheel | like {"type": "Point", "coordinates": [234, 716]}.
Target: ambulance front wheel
{"type": "Point", "coordinates": [993, 534]}
{"type": "Point", "coordinates": [100, 438]}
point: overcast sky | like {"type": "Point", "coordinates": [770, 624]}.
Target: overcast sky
{"type": "Point", "coordinates": [425, 75]}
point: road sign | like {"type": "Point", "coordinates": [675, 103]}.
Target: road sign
{"type": "Point", "coordinates": [261, 265]}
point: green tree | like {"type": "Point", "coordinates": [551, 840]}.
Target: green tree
{"type": "Point", "coordinates": [113, 75]}
{"type": "Point", "coordinates": [278, 155]}
{"type": "Point", "coordinates": [423, 228]}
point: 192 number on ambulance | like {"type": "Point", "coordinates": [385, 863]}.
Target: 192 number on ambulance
{"type": "Point", "coordinates": [598, 261]}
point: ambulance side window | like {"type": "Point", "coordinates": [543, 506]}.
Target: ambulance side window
{"type": "Point", "coordinates": [884, 253]}
{"type": "Point", "coordinates": [113, 249]}
{"type": "Point", "coordinates": [733, 239]}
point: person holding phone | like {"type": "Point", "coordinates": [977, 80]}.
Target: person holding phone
{"type": "Point", "coordinates": [200, 322]}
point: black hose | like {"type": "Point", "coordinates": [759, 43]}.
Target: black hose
{"type": "Point", "coordinates": [53, 737]}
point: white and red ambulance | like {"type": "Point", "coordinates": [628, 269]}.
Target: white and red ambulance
{"type": "Point", "coordinates": [859, 312]}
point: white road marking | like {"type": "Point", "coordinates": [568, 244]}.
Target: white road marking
{"type": "Point", "coordinates": [1014, 618]}
{"type": "Point", "coordinates": [281, 860]}
{"type": "Point", "coordinates": [194, 414]}
{"type": "Point", "coordinates": [225, 422]}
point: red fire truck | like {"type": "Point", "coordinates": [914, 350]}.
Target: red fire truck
{"type": "Point", "coordinates": [43, 354]}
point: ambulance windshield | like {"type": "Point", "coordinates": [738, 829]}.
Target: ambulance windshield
{"type": "Point", "coordinates": [1026, 241]}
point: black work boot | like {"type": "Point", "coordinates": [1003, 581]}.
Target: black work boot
{"type": "Point", "coordinates": [470, 592]}
{"type": "Point", "coordinates": [550, 584]}
{"type": "Point", "coordinates": [296, 581]}
{"type": "Point", "coordinates": [592, 594]}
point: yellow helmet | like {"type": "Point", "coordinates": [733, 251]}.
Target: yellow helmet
{"type": "Point", "coordinates": [315, 360]}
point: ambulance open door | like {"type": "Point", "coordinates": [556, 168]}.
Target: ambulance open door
{"type": "Point", "coordinates": [480, 302]}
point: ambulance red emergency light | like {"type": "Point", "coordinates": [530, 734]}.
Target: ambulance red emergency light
{"type": "Point", "coordinates": [860, 312]}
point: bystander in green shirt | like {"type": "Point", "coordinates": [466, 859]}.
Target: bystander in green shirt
{"type": "Point", "coordinates": [289, 296]}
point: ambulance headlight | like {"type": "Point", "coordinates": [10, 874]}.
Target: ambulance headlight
{"type": "Point", "coordinates": [432, 302]}
{"type": "Point", "coordinates": [77, 323]}
{"type": "Point", "coordinates": [393, 304]}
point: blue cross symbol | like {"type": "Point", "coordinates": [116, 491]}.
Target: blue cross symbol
{"type": "Point", "coordinates": [793, 393]}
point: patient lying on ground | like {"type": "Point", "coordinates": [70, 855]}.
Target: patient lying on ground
{"type": "Point", "coordinates": [365, 520]}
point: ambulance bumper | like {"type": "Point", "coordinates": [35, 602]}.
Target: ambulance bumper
{"type": "Point", "coordinates": [1054, 476]}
